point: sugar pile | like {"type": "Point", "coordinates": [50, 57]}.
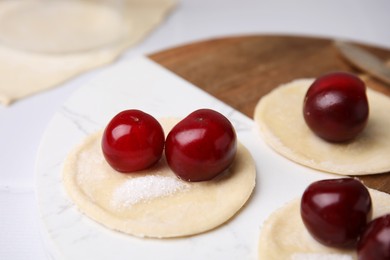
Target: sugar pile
{"type": "Point", "coordinates": [144, 188]}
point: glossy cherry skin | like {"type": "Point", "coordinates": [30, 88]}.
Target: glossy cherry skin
{"type": "Point", "coordinates": [201, 146]}
{"type": "Point", "coordinates": [336, 211]}
{"type": "Point", "coordinates": [375, 241]}
{"type": "Point", "coordinates": [336, 107]}
{"type": "Point", "coordinates": [133, 140]}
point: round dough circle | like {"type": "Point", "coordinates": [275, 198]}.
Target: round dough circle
{"type": "Point", "coordinates": [280, 119]}
{"type": "Point", "coordinates": [73, 25]}
{"type": "Point", "coordinates": [284, 236]}
{"type": "Point", "coordinates": [154, 202]}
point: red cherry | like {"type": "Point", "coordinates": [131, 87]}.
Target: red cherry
{"type": "Point", "coordinates": [132, 141]}
{"type": "Point", "coordinates": [336, 211]}
{"type": "Point", "coordinates": [375, 241]}
{"type": "Point", "coordinates": [201, 146]}
{"type": "Point", "coordinates": [336, 107]}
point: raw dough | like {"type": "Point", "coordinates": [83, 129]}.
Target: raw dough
{"type": "Point", "coordinates": [75, 25]}
{"type": "Point", "coordinates": [155, 203]}
{"type": "Point", "coordinates": [280, 119]}
{"type": "Point", "coordinates": [284, 236]}
{"type": "Point", "coordinates": [42, 71]}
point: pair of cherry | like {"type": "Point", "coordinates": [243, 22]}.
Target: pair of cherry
{"type": "Point", "coordinates": [337, 213]}
{"type": "Point", "coordinates": [198, 148]}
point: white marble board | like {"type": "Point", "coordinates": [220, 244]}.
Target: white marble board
{"type": "Point", "coordinates": [142, 84]}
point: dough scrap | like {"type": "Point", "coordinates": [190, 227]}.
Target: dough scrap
{"type": "Point", "coordinates": [26, 25]}
{"type": "Point", "coordinates": [154, 202]}
{"type": "Point", "coordinates": [279, 118]}
{"type": "Point", "coordinates": [42, 71]}
{"type": "Point", "coordinates": [284, 236]}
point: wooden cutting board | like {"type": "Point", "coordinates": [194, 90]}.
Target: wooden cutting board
{"type": "Point", "coordinates": [240, 70]}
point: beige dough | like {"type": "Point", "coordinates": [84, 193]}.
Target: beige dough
{"type": "Point", "coordinates": [280, 120]}
{"type": "Point", "coordinates": [155, 203]}
{"type": "Point", "coordinates": [24, 73]}
{"type": "Point", "coordinates": [284, 236]}
{"type": "Point", "coordinates": [75, 25]}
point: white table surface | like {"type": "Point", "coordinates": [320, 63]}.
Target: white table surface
{"type": "Point", "coordinates": [23, 123]}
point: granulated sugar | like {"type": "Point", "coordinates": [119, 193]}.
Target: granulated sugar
{"type": "Point", "coordinates": [145, 188]}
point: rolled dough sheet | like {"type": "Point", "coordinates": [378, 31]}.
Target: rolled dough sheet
{"type": "Point", "coordinates": [154, 202]}
{"type": "Point", "coordinates": [284, 236]}
{"type": "Point", "coordinates": [279, 118]}
{"type": "Point", "coordinates": [24, 73]}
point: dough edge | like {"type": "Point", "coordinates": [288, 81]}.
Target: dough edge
{"type": "Point", "coordinates": [297, 238]}
{"type": "Point", "coordinates": [278, 144]}
{"type": "Point", "coordinates": [106, 218]}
